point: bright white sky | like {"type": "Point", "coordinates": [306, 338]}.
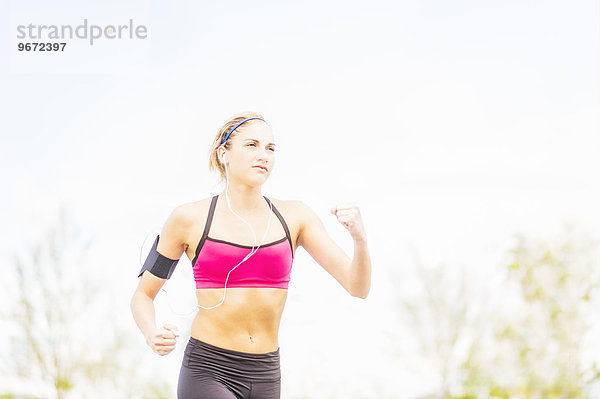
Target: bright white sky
{"type": "Point", "coordinates": [454, 125]}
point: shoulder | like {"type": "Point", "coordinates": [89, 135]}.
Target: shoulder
{"type": "Point", "coordinates": [291, 207]}
{"type": "Point", "coordinates": [186, 215]}
{"type": "Point", "coordinates": [296, 210]}
{"type": "Point", "coordinates": [309, 226]}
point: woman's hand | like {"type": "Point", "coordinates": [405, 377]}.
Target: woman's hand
{"type": "Point", "coordinates": [348, 215]}
{"type": "Point", "coordinates": [162, 340]}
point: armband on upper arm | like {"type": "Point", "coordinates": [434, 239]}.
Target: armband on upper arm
{"type": "Point", "coordinates": [158, 264]}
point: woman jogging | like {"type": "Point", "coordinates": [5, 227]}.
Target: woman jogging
{"type": "Point", "coordinates": [242, 246]}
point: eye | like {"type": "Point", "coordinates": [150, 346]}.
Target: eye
{"type": "Point", "coordinates": [252, 144]}
{"type": "Point", "coordinates": [272, 149]}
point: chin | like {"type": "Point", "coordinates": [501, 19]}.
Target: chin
{"type": "Point", "coordinates": [257, 180]}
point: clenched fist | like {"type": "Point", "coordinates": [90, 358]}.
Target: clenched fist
{"type": "Point", "coordinates": [162, 340]}
{"type": "Point", "coordinates": [348, 214]}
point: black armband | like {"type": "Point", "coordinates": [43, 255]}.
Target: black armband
{"type": "Point", "coordinates": [158, 264]}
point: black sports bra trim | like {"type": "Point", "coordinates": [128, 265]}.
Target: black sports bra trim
{"type": "Point", "coordinates": [285, 227]}
{"type": "Point", "coordinates": [246, 246]}
{"type": "Point", "coordinates": [211, 212]}
{"type": "Point", "coordinates": [209, 218]}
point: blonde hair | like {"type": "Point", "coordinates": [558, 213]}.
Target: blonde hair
{"type": "Point", "coordinates": [213, 159]}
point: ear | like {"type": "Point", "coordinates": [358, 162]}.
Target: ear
{"type": "Point", "coordinates": [220, 153]}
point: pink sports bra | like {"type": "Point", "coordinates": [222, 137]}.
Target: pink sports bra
{"type": "Point", "coordinates": [270, 266]}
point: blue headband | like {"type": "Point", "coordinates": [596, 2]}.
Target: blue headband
{"type": "Point", "coordinates": [236, 126]}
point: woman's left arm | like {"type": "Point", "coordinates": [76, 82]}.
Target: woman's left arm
{"type": "Point", "coordinates": [354, 275]}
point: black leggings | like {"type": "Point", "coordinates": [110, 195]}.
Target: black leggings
{"type": "Point", "coordinates": [211, 372]}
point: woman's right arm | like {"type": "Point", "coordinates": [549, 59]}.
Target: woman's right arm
{"type": "Point", "coordinates": [172, 245]}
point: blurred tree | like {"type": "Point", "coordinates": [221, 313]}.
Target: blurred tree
{"type": "Point", "coordinates": [533, 332]}
{"type": "Point", "coordinates": [64, 339]}
{"type": "Point", "coordinates": [545, 335]}
{"type": "Point", "coordinates": [555, 284]}
{"type": "Point", "coordinates": [445, 316]}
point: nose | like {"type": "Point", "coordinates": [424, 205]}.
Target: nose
{"type": "Point", "coordinates": [263, 155]}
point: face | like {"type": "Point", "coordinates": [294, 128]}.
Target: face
{"type": "Point", "coordinates": [251, 156]}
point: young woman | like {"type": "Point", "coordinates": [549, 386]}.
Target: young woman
{"type": "Point", "coordinates": [242, 245]}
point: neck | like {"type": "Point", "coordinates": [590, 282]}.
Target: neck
{"type": "Point", "coordinates": [244, 198]}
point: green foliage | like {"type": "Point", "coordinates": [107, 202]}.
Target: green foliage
{"type": "Point", "coordinates": [497, 391]}
{"type": "Point", "coordinates": [158, 391]}
{"type": "Point", "coordinates": [538, 338]}
{"type": "Point", "coordinates": [63, 384]}
{"type": "Point", "coordinates": [527, 344]}
{"type": "Point", "coordinates": [59, 307]}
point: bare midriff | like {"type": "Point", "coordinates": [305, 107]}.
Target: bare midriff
{"type": "Point", "coordinates": [247, 321]}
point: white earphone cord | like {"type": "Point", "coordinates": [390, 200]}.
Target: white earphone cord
{"type": "Point", "coordinates": [253, 251]}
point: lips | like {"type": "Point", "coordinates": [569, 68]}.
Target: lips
{"type": "Point", "coordinates": [261, 167]}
